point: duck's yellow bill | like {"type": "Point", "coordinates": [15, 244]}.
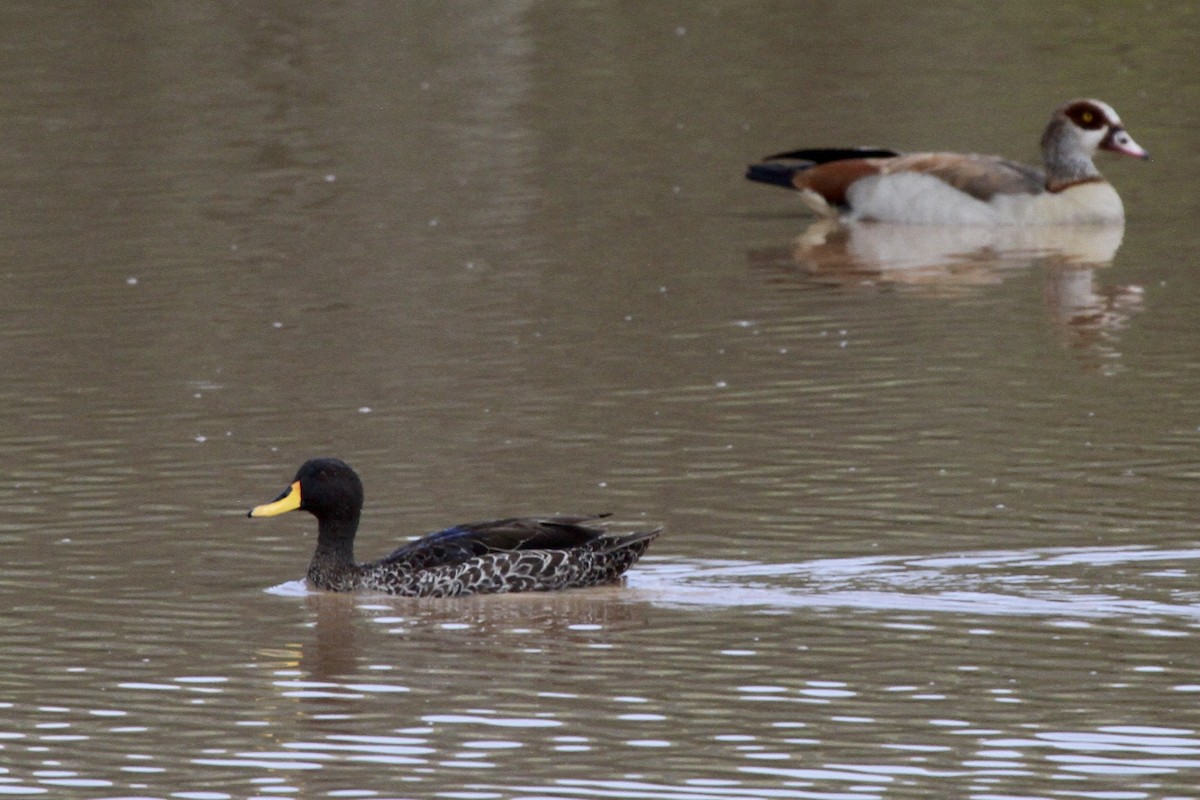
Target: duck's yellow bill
{"type": "Point", "coordinates": [288, 501]}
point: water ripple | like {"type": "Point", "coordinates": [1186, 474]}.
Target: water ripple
{"type": "Point", "coordinates": [1035, 582]}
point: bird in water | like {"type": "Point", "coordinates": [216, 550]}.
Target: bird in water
{"type": "Point", "coordinates": [964, 188]}
{"type": "Point", "coordinates": [529, 554]}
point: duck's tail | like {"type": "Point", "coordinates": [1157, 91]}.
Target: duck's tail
{"type": "Point", "coordinates": [781, 169]}
{"type": "Point", "coordinates": [774, 173]}
{"type": "Point", "coordinates": [614, 555]}
{"type": "Point", "coordinates": [638, 541]}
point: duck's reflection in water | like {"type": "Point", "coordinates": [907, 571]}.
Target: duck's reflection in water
{"type": "Point", "coordinates": [334, 651]}
{"type": "Point", "coordinates": [462, 625]}
{"type": "Point", "coordinates": [953, 261]}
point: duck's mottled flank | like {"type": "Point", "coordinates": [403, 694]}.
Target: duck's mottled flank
{"type": "Point", "coordinates": [528, 554]}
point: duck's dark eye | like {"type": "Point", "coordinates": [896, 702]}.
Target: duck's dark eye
{"type": "Point", "coordinates": [1087, 117]}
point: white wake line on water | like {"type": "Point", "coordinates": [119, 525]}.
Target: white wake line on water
{"type": "Point", "coordinates": [1016, 582]}
{"type": "Point", "coordinates": [880, 565]}
{"type": "Point", "coordinates": [983, 603]}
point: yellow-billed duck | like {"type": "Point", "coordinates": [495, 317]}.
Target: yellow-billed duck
{"type": "Point", "coordinates": [505, 555]}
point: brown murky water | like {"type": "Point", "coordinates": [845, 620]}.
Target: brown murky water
{"type": "Point", "coordinates": [930, 496]}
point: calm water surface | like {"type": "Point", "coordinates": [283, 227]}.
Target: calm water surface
{"type": "Point", "coordinates": [930, 495]}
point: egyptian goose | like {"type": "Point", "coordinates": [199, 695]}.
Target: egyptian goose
{"type": "Point", "coordinates": [957, 188]}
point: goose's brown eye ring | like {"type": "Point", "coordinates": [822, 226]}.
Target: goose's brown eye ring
{"type": "Point", "coordinates": [1087, 116]}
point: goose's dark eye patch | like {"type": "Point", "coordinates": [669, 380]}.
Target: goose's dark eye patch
{"type": "Point", "coordinates": [1087, 116]}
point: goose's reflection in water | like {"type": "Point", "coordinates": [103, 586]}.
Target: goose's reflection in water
{"type": "Point", "coordinates": [953, 261]}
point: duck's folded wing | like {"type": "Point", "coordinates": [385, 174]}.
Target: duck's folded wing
{"type": "Point", "coordinates": [824, 155]}
{"type": "Point", "coordinates": [464, 542]}
{"type": "Point", "coordinates": [982, 177]}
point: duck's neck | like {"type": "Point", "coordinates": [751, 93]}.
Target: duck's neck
{"type": "Point", "coordinates": [1066, 163]}
{"type": "Point", "coordinates": [333, 565]}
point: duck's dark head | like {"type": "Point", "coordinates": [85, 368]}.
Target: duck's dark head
{"type": "Point", "coordinates": [327, 488]}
